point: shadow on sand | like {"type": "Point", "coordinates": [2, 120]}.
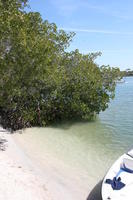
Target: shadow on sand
{"type": "Point", "coordinates": [3, 144]}
{"type": "Point", "coordinates": [95, 194]}
{"type": "Point", "coordinates": [67, 124]}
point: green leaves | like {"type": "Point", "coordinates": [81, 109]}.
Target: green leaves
{"type": "Point", "coordinates": [40, 82]}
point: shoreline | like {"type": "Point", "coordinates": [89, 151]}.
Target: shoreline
{"type": "Point", "coordinates": [31, 182]}
{"type": "Point", "coordinates": [19, 181]}
{"type": "Point", "coordinates": [60, 179]}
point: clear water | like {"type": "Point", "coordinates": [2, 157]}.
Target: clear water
{"type": "Point", "coordinates": [83, 152]}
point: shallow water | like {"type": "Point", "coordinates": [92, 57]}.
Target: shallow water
{"type": "Point", "coordinates": [82, 152]}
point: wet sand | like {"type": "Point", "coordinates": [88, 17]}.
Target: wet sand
{"type": "Point", "coordinates": [24, 177]}
{"type": "Point", "coordinates": [64, 177]}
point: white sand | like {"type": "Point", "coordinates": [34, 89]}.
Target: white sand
{"type": "Point", "coordinates": [22, 178]}
{"type": "Point", "coordinates": [18, 180]}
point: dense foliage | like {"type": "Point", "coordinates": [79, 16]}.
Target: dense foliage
{"type": "Point", "coordinates": [128, 72]}
{"type": "Point", "coordinates": [40, 82]}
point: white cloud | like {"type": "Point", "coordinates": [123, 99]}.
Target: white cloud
{"type": "Point", "coordinates": [110, 52]}
{"type": "Point", "coordinates": [109, 32]}
{"type": "Point", "coordinates": [68, 7]}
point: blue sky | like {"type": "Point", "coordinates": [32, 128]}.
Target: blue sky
{"type": "Point", "coordinates": [100, 25]}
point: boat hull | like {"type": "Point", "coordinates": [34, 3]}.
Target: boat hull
{"type": "Point", "coordinates": [126, 192]}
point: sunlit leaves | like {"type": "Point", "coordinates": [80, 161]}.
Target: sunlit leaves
{"type": "Point", "coordinates": [40, 82]}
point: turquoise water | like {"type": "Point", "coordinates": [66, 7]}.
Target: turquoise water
{"type": "Point", "coordinates": [82, 152]}
{"type": "Point", "coordinates": [119, 116]}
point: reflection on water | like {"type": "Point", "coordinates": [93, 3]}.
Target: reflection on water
{"type": "Point", "coordinates": [86, 149]}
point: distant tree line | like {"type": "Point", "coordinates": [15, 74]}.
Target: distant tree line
{"type": "Point", "coordinates": [40, 82]}
{"type": "Point", "coordinates": [128, 72]}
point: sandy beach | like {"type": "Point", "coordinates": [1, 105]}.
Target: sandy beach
{"type": "Point", "coordinates": [22, 179]}
{"type": "Point", "coordinates": [18, 179]}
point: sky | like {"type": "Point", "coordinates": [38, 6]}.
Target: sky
{"type": "Point", "coordinates": [100, 25]}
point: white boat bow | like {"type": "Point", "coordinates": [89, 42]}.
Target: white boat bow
{"type": "Point", "coordinates": [118, 182]}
